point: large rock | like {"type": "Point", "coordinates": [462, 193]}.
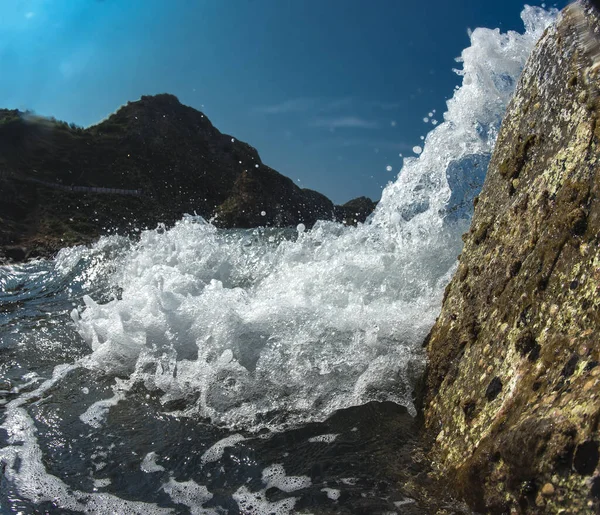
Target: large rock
{"type": "Point", "coordinates": [171, 153]}
{"type": "Point", "coordinates": [513, 384]}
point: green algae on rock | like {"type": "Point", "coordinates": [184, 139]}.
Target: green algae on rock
{"type": "Point", "coordinates": [513, 382]}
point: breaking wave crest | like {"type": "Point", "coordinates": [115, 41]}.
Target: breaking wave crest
{"type": "Point", "coordinates": [254, 330]}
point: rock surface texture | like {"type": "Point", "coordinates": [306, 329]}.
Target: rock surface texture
{"type": "Point", "coordinates": [513, 385]}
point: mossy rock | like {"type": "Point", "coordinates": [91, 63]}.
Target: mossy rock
{"type": "Point", "coordinates": [513, 384]}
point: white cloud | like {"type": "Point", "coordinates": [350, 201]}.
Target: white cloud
{"type": "Point", "coordinates": [386, 106]}
{"type": "Point", "coordinates": [337, 104]}
{"type": "Point", "coordinates": [384, 145]}
{"type": "Point", "coordinates": [294, 105]}
{"type": "Point", "coordinates": [345, 122]}
{"type": "Point", "coordinates": [304, 104]}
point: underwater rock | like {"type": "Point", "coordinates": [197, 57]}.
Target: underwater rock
{"type": "Point", "coordinates": [513, 383]}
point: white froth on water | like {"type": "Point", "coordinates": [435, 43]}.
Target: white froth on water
{"type": "Point", "coordinates": [332, 493]}
{"type": "Point", "coordinates": [491, 67]}
{"type": "Point", "coordinates": [259, 334]}
{"type": "Point", "coordinates": [274, 476]}
{"type": "Point", "coordinates": [149, 464]}
{"type": "Point", "coordinates": [215, 453]}
{"type": "Point", "coordinates": [323, 438]}
{"type": "Point", "coordinates": [23, 466]}
{"type": "Point", "coordinates": [256, 503]}
{"type": "Point", "coordinates": [190, 494]}
{"type": "Point", "coordinates": [95, 415]}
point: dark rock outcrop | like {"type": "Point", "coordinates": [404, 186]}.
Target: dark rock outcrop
{"type": "Point", "coordinates": [355, 211]}
{"type": "Point", "coordinates": [513, 383]}
{"type": "Point", "coordinates": [58, 182]}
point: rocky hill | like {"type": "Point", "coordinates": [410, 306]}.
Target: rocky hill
{"type": "Point", "coordinates": [513, 384]}
{"type": "Point", "coordinates": [151, 161]}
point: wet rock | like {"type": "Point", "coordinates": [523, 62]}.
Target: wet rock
{"type": "Point", "coordinates": [586, 458]}
{"type": "Point", "coordinates": [493, 389]}
{"type": "Point", "coordinates": [518, 398]}
{"type": "Point", "coordinates": [548, 490]}
{"type": "Point", "coordinates": [15, 253]}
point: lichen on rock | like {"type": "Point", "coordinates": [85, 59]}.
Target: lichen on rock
{"type": "Point", "coordinates": [513, 383]}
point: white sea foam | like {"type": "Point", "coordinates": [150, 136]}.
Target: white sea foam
{"type": "Point", "coordinates": [149, 464]}
{"type": "Point", "coordinates": [256, 503]}
{"type": "Point", "coordinates": [323, 438]}
{"type": "Point", "coordinates": [268, 333]}
{"type": "Point", "coordinates": [215, 453]}
{"type": "Point", "coordinates": [332, 493]}
{"type": "Point", "coordinates": [24, 469]}
{"type": "Point", "coordinates": [274, 476]}
{"type": "Point", "coordinates": [190, 494]}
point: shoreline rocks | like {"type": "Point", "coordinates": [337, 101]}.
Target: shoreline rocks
{"type": "Point", "coordinates": [512, 396]}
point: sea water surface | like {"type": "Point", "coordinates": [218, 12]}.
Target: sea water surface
{"type": "Point", "coordinates": [198, 370]}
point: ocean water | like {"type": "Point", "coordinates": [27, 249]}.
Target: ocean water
{"type": "Point", "coordinates": [197, 370]}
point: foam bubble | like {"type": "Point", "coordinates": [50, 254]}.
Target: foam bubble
{"type": "Point", "coordinates": [256, 503]}
{"type": "Point", "coordinates": [332, 493]}
{"type": "Point", "coordinates": [102, 482]}
{"type": "Point", "coordinates": [95, 415]}
{"type": "Point", "coordinates": [323, 438]}
{"type": "Point", "coordinates": [274, 476]}
{"type": "Point", "coordinates": [190, 494]}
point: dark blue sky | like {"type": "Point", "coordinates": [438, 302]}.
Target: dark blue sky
{"type": "Point", "coordinates": [328, 91]}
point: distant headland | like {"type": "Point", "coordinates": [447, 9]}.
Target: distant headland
{"type": "Point", "coordinates": [150, 162]}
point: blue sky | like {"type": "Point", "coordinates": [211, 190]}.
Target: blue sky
{"type": "Point", "coordinates": [330, 92]}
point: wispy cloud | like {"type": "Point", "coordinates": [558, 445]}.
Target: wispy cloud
{"type": "Point", "coordinates": [294, 105]}
{"type": "Point", "coordinates": [305, 104]}
{"type": "Point", "coordinates": [375, 144]}
{"type": "Point", "coordinates": [337, 104]}
{"type": "Point", "coordinates": [385, 106]}
{"type": "Point", "coordinates": [334, 113]}
{"type": "Point", "coordinates": [345, 122]}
